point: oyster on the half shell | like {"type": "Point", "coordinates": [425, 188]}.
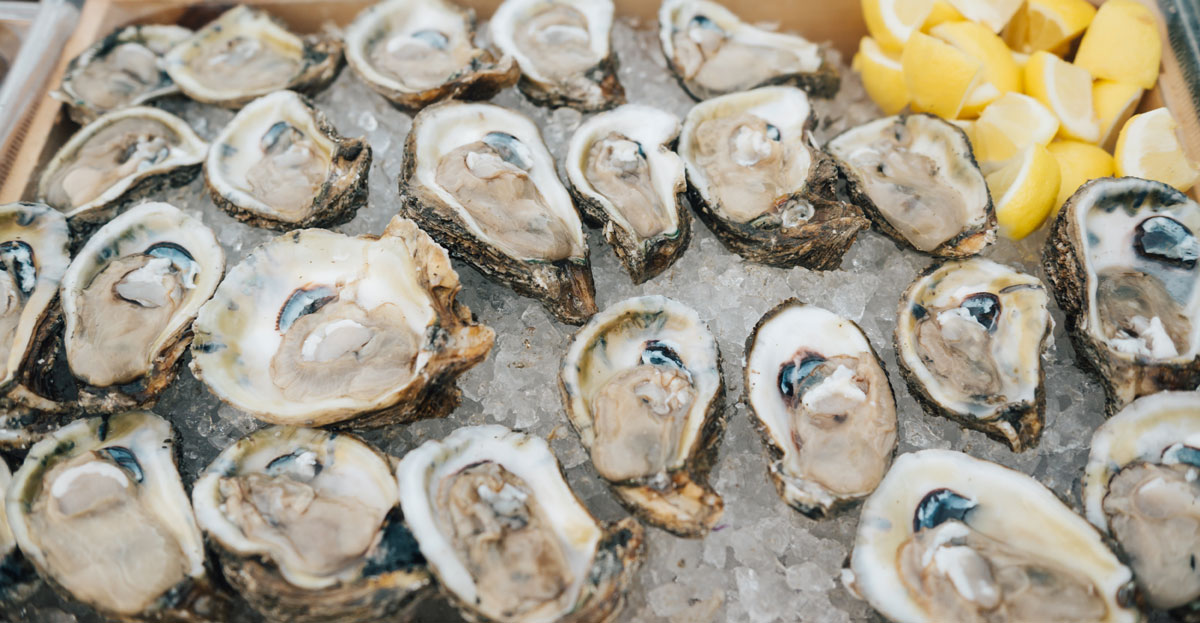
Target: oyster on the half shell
{"type": "Point", "coordinates": [480, 180]}
{"type": "Point", "coordinates": [641, 383]}
{"type": "Point", "coordinates": [18, 578]}
{"type": "Point", "coordinates": [758, 180]}
{"type": "Point", "coordinates": [316, 328]}
{"type": "Point", "coordinates": [564, 51]}
{"type": "Point", "coordinates": [417, 52]}
{"type": "Point", "coordinates": [506, 537]}
{"type": "Point", "coordinates": [280, 164]}
{"type": "Point", "coordinates": [1122, 260]}
{"type": "Point", "coordinates": [822, 401]}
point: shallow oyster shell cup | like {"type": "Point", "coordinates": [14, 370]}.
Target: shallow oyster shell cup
{"type": "Point", "coordinates": [237, 334]}
{"type": "Point", "coordinates": [1071, 257]}
{"type": "Point", "coordinates": [347, 165]}
{"type": "Point", "coordinates": [485, 76]}
{"type": "Point", "coordinates": [178, 169]}
{"type": "Point", "coordinates": [387, 581]}
{"type": "Point", "coordinates": [319, 58]}
{"type": "Point", "coordinates": [655, 131]}
{"type": "Point", "coordinates": [601, 558]}
{"type": "Point", "coordinates": [809, 226]}
{"type": "Point", "coordinates": [678, 499]}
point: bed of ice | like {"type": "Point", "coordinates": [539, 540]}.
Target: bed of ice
{"type": "Point", "coordinates": [764, 562]}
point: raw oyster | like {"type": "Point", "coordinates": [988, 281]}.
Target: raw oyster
{"type": "Point", "coordinates": [713, 52]}
{"type": "Point", "coordinates": [1140, 486]}
{"type": "Point", "coordinates": [33, 260]}
{"type": "Point", "coordinates": [120, 70]}
{"type": "Point", "coordinates": [563, 48]}
{"type": "Point", "coordinates": [18, 579]}
{"type": "Point", "coordinates": [317, 328]}
{"type": "Point", "coordinates": [947, 537]}
{"type": "Point", "coordinates": [969, 338]}
{"type": "Point", "coordinates": [625, 177]}
{"type": "Point", "coordinates": [417, 52]}
{"type": "Point", "coordinates": [758, 180]}
{"type": "Point", "coordinates": [117, 159]}
{"type": "Point", "coordinates": [641, 383]}
{"type": "Point", "coordinates": [128, 301]}
{"type": "Point", "coordinates": [916, 177]}
{"type": "Point", "coordinates": [280, 164]}
{"type": "Point", "coordinates": [99, 510]}
{"type": "Point", "coordinates": [823, 404]}
{"type": "Point", "coordinates": [244, 54]}
{"type": "Point", "coordinates": [506, 538]}
{"type": "Point", "coordinates": [1121, 259]}
{"type": "Point", "coordinates": [480, 180]}
{"type": "Point", "coordinates": [308, 527]}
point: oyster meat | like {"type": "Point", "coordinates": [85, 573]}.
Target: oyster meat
{"type": "Point", "coordinates": [120, 70]}
{"type": "Point", "coordinates": [625, 177]}
{"type": "Point", "coordinates": [506, 538]}
{"type": "Point", "coordinates": [316, 328]}
{"type": "Point", "coordinates": [713, 52]}
{"type": "Point", "coordinates": [99, 510]}
{"type": "Point", "coordinates": [280, 164]}
{"type": "Point", "coordinates": [916, 177]}
{"type": "Point", "coordinates": [563, 48]}
{"type": "Point", "coordinates": [757, 179]}
{"type": "Point", "coordinates": [948, 537]}
{"type": "Point", "coordinates": [417, 52]}
{"type": "Point", "coordinates": [246, 53]}
{"type": "Point", "coordinates": [1121, 259]}
{"type": "Point", "coordinates": [117, 159]}
{"type": "Point", "coordinates": [1141, 487]}
{"type": "Point", "coordinates": [128, 300]}
{"type": "Point", "coordinates": [970, 335]}
{"type": "Point", "coordinates": [480, 180]}
{"type": "Point", "coordinates": [308, 527]}
{"type": "Point", "coordinates": [641, 383]}
{"type": "Point", "coordinates": [823, 404]}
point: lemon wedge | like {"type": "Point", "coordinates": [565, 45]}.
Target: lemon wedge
{"type": "Point", "coordinates": [941, 13]}
{"type": "Point", "coordinates": [1149, 147]}
{"type": "Point", "coordinates": [1122, 43]}
{"type": "Point", "coordinates": [938, 76]}
{"type": "Point", "coordinates": [1048, 24]}
{"type": "Point", "coordinates": [892, 22]}
{"type": "Point", "coordinates": [1078, 163]}
{"type": "Point", "coordinates": [1024, 191]}
{"type": "Point", "coordinates": [994, 14]}
{"type": "Point", "coordinates": [1114, 103]}
{"type": "Point", "coordinates": [1008, 126]}
{"type": "Point", "coordinates": [1000, 72]}
{"type": "Point", "coordinates": [1066, 90]}
{"type": "Point", "coordinates": [882, 76]}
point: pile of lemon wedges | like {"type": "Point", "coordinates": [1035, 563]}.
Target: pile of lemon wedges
{"type": "Point", "coordinates": [1040, 125]}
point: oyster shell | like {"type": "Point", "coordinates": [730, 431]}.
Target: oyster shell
{"type": "Point", "coordinates": [244, 54]}
{"type": "Point", "coordinates": [480, 180]}
{"type": "Point", "coordinates": [99, 510]}
{"type": "Point", "coordinates": [120, 70]}
{"type": "Point", "coordinates": [280, 164]}
{"type": "Point", "coordinates": [970, 335]}
{"type": "Point", "coordinates": [916, 177]}
{"type": "Point", "coordinates": [506, 538]}
{"type": "Point", "coordinates": [1121, 259]}
{"type": "Point", "coordinates": [641, 383]}
{"type": "Point", "coordinates": [117, 159]}
{"type": "Point", "coordinates": [758, 180]}
{"type": "Point", "coordinates": [625, 177]}
{"type": "Point", "coordinates": [267, 505]}
{"type": "Point", "coordinates": [18, 579]}
{"type": "Point", "coordinates": [316, 328]}
{"type": "Point", "coordinates": [940, 540]}
{"type": "Point", "coordinates": [417, 52]}
{"type": "Point", "coordinates": [822, 401]}
{"type": "Point", "coordinates": [1140, 487]}
{"type": "Point", "coordinates": [563, 48]}
{"type": "Point", "coordinates": [713, 53]}
{"type": "Point", "coordinates": [128, 300]}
